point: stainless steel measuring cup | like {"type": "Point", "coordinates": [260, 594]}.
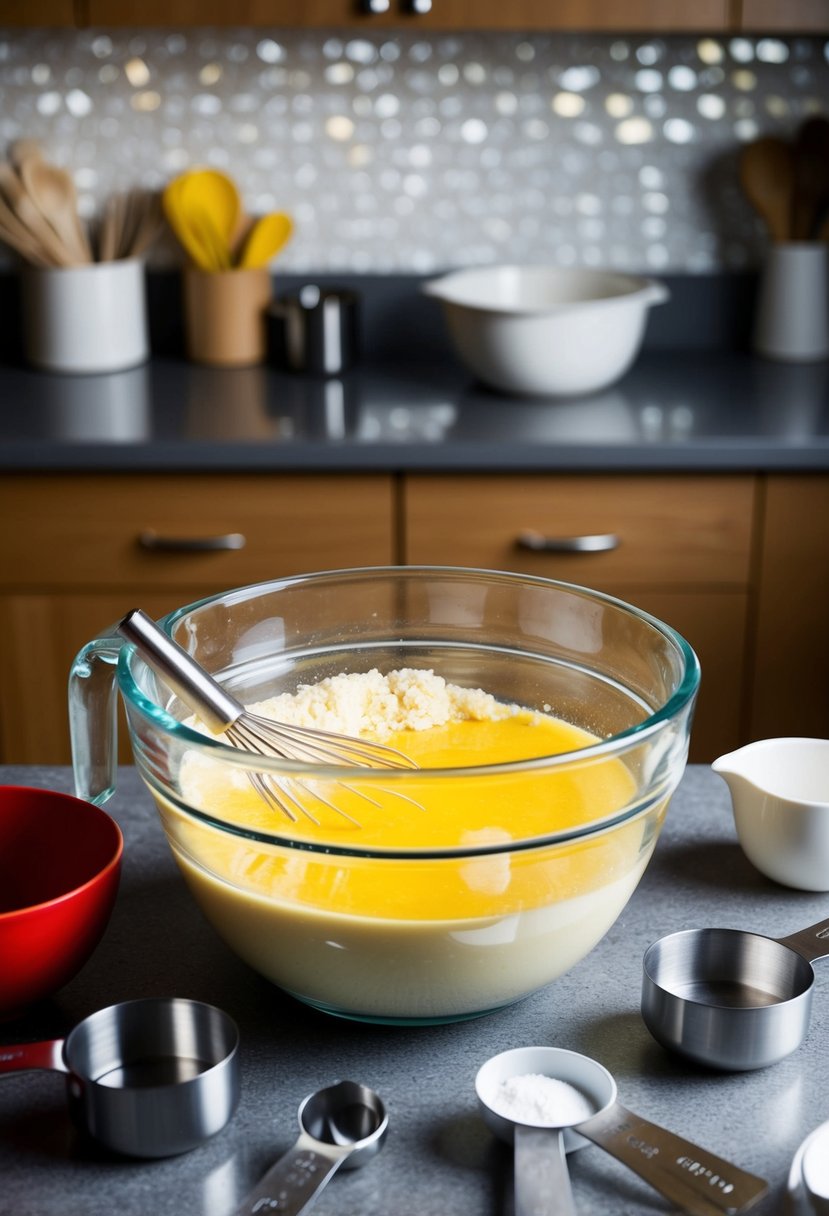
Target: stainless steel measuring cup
{"type": "Point", "coordinates": [342, 1126]}
{"type": "Point", "coordinates": [729, 998]}
{"type": "Point", "coordinates": [147, 1078]}
{"type": "Point", "coordinates": [694, 1179]}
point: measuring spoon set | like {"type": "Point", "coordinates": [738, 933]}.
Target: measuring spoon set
{"type": "Point", "coordinates": [155, 1077]}
{"type": "Point", "coordinates": [693, 1178]}
{"type": "Point", "coordinates": [728, 999]}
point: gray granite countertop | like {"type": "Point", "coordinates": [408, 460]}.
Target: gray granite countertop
{"type": "Point", "coordinates": [439, 1158]}
{"type": "Point", "coordinates": [684, 409]}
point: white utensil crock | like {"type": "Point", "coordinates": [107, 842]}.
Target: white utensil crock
{"type": "Point", "coordinates": [792, 317]}
{"type": "Point", "coordinates": [85, 318]}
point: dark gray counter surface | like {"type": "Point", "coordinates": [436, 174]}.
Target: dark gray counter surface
{"type": "Point", "coordinates": [439, 1159]}
{"type": "Point", "coordinates": [688, 409]}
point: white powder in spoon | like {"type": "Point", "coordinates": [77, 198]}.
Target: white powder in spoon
{"type": "Point", "coordinates": [541, 1101]}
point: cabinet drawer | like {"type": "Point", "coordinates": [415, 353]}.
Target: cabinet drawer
{"type": "Point", "coordinates": [85, 532]}
{"type": "Point", "coordinates": [670, 530]}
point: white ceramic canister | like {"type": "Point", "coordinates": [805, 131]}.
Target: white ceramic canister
{"type": "Point", "coordinates": [85, 318]}
{"type": "Point", "coordinates": [792, 317]}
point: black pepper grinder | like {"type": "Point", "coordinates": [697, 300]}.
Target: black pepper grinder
{"type": "Point", "coordinates": [315, 330]}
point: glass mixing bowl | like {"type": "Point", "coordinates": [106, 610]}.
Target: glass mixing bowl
{"type": "Point", "coordinates": [445, 922]}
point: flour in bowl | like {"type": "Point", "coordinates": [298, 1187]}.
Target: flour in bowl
{"type": "Point", "coordinates": [376, 705]}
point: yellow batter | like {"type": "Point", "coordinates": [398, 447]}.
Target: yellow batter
{"type": "Point", "coordinates": [433, 937]}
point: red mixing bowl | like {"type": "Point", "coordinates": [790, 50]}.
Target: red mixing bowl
{"type": "Point", "coordinates": [60, 861]}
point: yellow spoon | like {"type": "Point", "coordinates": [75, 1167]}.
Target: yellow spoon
{"type": "Point", "coordinates": [204, 210]}
{"type": "Point", "coordinates": [215, 195]}
{"type": "Point", "coordinates": [204, 227]}
{"type": "Point", "coordinates": [182, 226]}
{"type": "Point", "coordinates": [265, 239]}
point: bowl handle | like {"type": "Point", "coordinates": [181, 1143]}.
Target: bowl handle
{"type": "Point", "coordinates": [93, 720]}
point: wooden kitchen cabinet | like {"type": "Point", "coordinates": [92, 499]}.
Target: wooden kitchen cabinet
{"type": "Point", "coordinates": [784, 16]}
{"type": "Point", "coordinates": [651, 15]}
{"type": "Point", "coordinates": [790, 686]}
{"type": "Point", "coordinates": [684, 554]}
{"type": "Point", "coordinates": [73, 562]}
{"type": "Point", "coordinates": [738, 564]}
{"type": "Point", "coordinates": [608, 16]}
{"type": "Point", "coordinates": [38, 12]}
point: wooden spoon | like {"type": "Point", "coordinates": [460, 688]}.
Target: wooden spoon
{"type": "Point", "coordinates": [24, 149]}
{"type": "Point", "coordinates": [767, 179]}
{"type": "Point", "coordinates": [265, 239]}
{"type": "Point", "coordinates": [52, 191]}
{"type": "Point", "coordinates": [28, 215]}
{"type": "Point", "coordinates": [18, 237]}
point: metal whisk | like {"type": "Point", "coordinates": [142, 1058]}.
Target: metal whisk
{"type": "Point", "coordinates": [221, 711]}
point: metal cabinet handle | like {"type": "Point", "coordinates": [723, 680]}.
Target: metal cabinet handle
{"type": "Point", "coordinates": [598, 543]}
{"type": "Point", "coordinates": [190, 544]}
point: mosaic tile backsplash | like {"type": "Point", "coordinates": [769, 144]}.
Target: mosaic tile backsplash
{"type": "Point", "coordinates": [412, 154]}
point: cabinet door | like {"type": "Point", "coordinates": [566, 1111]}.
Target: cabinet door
{"type": "Point", "coordinates": [42, 634]}
{"type": "Point", "coordinates": [791, 653]}
{"type": "Point", "coordinates": [645, 15]}
{"type": "Point", "coordinates": [180, 531]}
{"type": "Point", "coordinates": [72, 564]}
{"type": "Point", "coordinates": [670, 530]}
{"type": "Point", "coordinates": [796, 16]}
{"type": "Point", "coordinates": [38, 12]}
{"type": "Point", "coordinates": [684, 552]}
{"type": "Point", "coordinates": [715, 624]}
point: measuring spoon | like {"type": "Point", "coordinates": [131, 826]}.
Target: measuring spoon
{"type": "Point", "coordinates": [344, 1126]}
{"type": "Point", "coordinates": [541, 1178]}
{"type": "Point", "coordinates": [729, 998]}
{"type": "Point", "coordinates": [148, 1078]}
{"type": "Point", "coordinates": [694, 1179]}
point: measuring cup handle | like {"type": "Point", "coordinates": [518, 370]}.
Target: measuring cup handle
{"type": "Point", "coordinates": [811, 943]}
{"type": "Point", "coordinates": [20, 1057]}
{"type": "Point", "coordinates": [690, 1176]}
{"type": "Point", "coordinates": [291, 1184]}
{"type": "Point", "coordinates": [542, 1181]}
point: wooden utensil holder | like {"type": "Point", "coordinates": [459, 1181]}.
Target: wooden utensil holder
{"type": "Point", "coordinates": [224, 315]}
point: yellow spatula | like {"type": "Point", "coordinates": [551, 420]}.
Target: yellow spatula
{"type": "Point", "coordinates": [265, 239]}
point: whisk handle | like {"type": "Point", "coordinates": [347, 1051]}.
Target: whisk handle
{"type": "Point", "coordinates": [217, 708]}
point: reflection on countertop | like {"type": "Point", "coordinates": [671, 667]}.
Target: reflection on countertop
{"type": "Point", "coordinates": [683, 410]}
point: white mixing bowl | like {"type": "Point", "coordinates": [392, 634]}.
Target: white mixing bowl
{"type": "Point", "coordinates": [545, 330]}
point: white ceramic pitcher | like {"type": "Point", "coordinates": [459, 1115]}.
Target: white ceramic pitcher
{"type": "Point", "coordinates": [780, 795]}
